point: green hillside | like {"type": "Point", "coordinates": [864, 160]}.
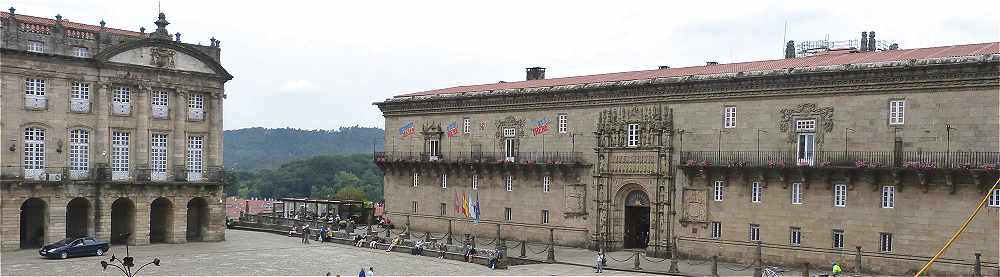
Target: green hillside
{"type": "Point", "coordinates": [258, 148]}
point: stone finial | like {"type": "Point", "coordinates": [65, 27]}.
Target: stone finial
{"type": "Point", "coordinates": [212, 40]}
{"type": "Point", "coordinates": [58, 17]}
{"type": "Point", "coordinates": [161, 28]}
{"type": "Point", "coordinates": [864, 42]}
{"type": "Point", "coordinates": [177, 37]}
{"type": "Point", "coordinates": [871, 41]}
{"type": "Point", "coordinates": [142, 30]}
{"type": "Point", "coordinates": [12, 9]}
{"type": "Point", "coordinates": [102, 23]}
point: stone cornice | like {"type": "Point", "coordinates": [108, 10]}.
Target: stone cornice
{"type": "Point", "coordinates": [957, 73]}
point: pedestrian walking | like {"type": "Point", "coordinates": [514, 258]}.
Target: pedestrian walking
{"type": "Point", "coordinates": [322, 234]}
{"type": "Point", "coordinates": [305, 234]}
{"type": "Point", "coordinates": [371, 272]}
{"type": "Point", "coordinates": [362, 272]}
{"type": "Point", "coordinates": [837, 271]}
{"type": "Point", "coordinates": [600, 262]}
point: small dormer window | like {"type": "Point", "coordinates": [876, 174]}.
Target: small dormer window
{"type": "Point", "coordinates": [81, 52]}
{"type": "Point", "coordinates": [36, 46]}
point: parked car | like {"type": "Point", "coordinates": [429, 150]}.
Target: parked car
{"type": "Point", "coordinates": [73, 247]}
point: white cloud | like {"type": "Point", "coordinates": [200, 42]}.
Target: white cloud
{"type": "Point", "coordinates": [299, 86]}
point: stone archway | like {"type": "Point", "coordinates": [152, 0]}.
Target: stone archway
{"type": "Point", "coordinates": [122, 221]}
{"type": "Point", "coordinates": [78, 218]}
{"type": "Point", "coordinates": [636, 233]}
{"type": "Point", "coordinates": [161, 220]}
{"type": "Point", "coordinates": [197, 219]}
{"type": "Point", "coordinates": [33, 224]}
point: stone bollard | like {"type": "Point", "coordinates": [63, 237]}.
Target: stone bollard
{"type": "Point", "coordinates": [673, 258]}
{"type": "Point", "coordinates": [635, 265]}
{"type": "Point", "coordinates": [449, 232]}
{"type": "Point", "coordinates": [977, 270]}
{"type": "Point", "coordinates": [552, 247]}
{"type": "Point", "coordinates": [758, 269]}
{"type": "Point", "coordinates": [805, 271]}
{"type": "Point", "coordinates": [857, 265]}
{"type": "Point", "coordinates": [715, 266]}
{"type": "Point", "coordinates": [523, 250]}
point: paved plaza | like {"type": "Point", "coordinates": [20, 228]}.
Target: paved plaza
{"type": "Point", "coordinates": [257, 253]}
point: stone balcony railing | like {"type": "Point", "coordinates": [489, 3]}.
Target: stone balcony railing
{"type": "Point", "coordinates": [469, 157]}
{"type": "Point", "coordinates": [844, 159]}
{"type": "Point", "coordinates": [105, 174]}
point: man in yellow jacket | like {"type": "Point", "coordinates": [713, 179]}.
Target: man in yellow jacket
{"type": "Point", "coordinates": [837, 271]}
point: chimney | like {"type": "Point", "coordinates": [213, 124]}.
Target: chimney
{"type": "Point", "coordinates": [535, 73]}
{"type": "Point", "coordinates": [711, 63]}
{"type": "Point", "coordinates": [871, 41]}
{"type": "Point", "coordinates": [664, 67]}
{"type": "Point", "coordinates": [790, 49]}
{"type": "Point", "coordinates": [864, 42]}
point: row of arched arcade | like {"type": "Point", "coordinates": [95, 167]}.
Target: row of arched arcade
{"type": "Point", "coordinates": [80, 221]}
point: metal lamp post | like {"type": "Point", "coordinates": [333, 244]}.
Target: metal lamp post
{"type": "Point", "coordinates": [947, 151]}
{"type": "Point", "coordinates": [128, 262]}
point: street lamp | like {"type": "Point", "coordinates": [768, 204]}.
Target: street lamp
{"type": "Point", "coordinates": [719, 154]}
{"type": "Point", "coordinates": [846, 142]}
{"type": "Point", "coordinates": [947, 154]}
{"type": "Point", "coordinates": [758, 138]}
{"type": "Point", "coordinates": [128, 262]}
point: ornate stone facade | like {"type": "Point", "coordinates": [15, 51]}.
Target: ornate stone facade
{"type": "Point", "coordinates": [115, 149]}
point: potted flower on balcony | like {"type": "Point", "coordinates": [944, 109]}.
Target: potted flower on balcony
{"type": "Point", "coordinates": [988, 168]}
{"type": "Point", "coordinates": [776, 164]}
{"type": "Point", "coordinates": [966, 168]}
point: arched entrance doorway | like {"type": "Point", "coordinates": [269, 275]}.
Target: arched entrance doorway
{"type": "Point", "coordinates": [197, 219]}
{"type": "Point", "coordinates": [34, 216]}
{"type": "Point", "coordinates": [636, 220]}
{"type": "Point", "coordinates": [122, 221]}
{"type": "Point", "coordinates": [78, 217]}
{"type": "Point", "coordinates": [161, 220]}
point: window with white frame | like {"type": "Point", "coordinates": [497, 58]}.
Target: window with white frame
{"type": "Point", "coordinates": [719, 190]}
{"type": "Point", "coordinates": [795, 236]}
{"type": "Point", "coordinates": [81, 52]}
{"type": "Point", "coordinates": [466, 125]}
{"type": "Point", "coordinates": [506, 214]}
{"type": "Point", "coordinates": [121, 101]}
{"type": "Point", "coordinates": [545, 216]}
{"type": "Point", "coordinates": [34, 153]}
{"type": "Point", "coordinates": [510, 144]}
{"type": "Point", "coordinates": [754, 232]}
{"type": "Point", "coordinates": [805, 125]}
{"type": "Point", "coordinates": [633, 135]}
{"type": "Point", "coordinates": [158, 156]}
{"type": "Point", "coordinates": [416, 177]}
{"type": "Point", "coordinates": [840, 195]}
{"type": "Point", "coordinates": [509, 182]}
{"type": "Point", "coordinates": [838, 238]}
{"type": "Point", "coordinates": [196, 106]}
{"type": "Point", "coordinates": [475, 181]}
{"type": "Point", "coordinates": [414, 206]}
{"type": "Point", "coordinates": [79, 153]}
{"type": "Point", "coordinates": [796, 193]}
{"type": "Point", "coordinates": [563, 124]}
{"type": "Point", "coordinates": [433, 149]}
{"type": "Point", "coordinates": [545, 183]}
{"type": "Point", "coordinates": [888, 197]}
{"type": "Point", "coordinates": [885, 242]}
{"type": "Point", "coordinates": [119, 155]}
{"type": "Point", "coordinates": [995, 198]}
{"type": "Point", "coordinates": [195, 158]}
{"type": "Point", "coordinates": [159, 104]}
{"type": "Point", "coordinates": [897, 109]}
{"type": "Point", "coordinates": [444, 181]}
{"type": "Point", "coordinates": [443, 208]}
{"type": "Point", "coordinates": [36, 46]}
{"type": "Point", "coordinates": [755, 192]}
{"type": "Point", "coordinates": [79, 97]}
{"type": "Point", "coordinates": [729, 117]}
{"type": "Point", "coordinates": [34, 94]}
{"type": "Point", "coordinates": [716, 231]}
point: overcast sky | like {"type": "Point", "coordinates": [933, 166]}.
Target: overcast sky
{"type": "Point", "coordinates": [320, 64]}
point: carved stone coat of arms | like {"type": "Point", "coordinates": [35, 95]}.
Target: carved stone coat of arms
{"type": "Point", "coordinates": [162, 57]}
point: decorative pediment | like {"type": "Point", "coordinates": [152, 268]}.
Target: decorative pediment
{"type": "Point", "coordinates": [655, 122]}
{"type": "Point", "coordinates": [823, 117]}
{"type": "Point", "coordinates": [163, 54]}
{"type": "Point", "coordinates": [431, 130]}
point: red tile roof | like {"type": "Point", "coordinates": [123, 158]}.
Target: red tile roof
{"type": "Point", "coordinates": [831, 58]}
{"type": "Point", "coordinates": [72, 25]}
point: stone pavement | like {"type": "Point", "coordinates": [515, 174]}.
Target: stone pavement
{"type": "Point", "coordinates": [260, 253]}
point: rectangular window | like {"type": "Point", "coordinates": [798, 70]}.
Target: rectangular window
{"type": "Point", "coordinates": [79, 153]}
{"type": "Point", "coordinates": [885, 242]}
{"type": "Point", "coordinates": [755, 192]}
{"type": "Point", "coordinates": [416, 176]}
{"type": "Point", "coordinates": [506, 214]}
{"type": "Point", "coordinates": [719, 190]}
{"type": "Point", "coordinates": [158, 157]}
{"type": "Point", "coordinates": [34, 94]}
{"type": "Point", "coordinates": [509, 183]}
{"type": "Point", "coordinates": [444, 181]}
{"type": "Point", "coordinates": [805, 125]}
{"type": "Point", "coordinates": [840, 195]}
{"type": "Point", "coordinates": [510, 144]}
{"type": "Point", "coordinates": [716, 232]}
{"type": "Point", "coordinates": [838, 239]}
{"type": "Point", "coordinates": [159, 103]}
{"type": "Point", "coordinates": [633, 135]}
{"type": "Point", "coordinates": [563, 124]}
{"type": "Point", "coordinates": [545, 184]}
{"type": "Point", "coordinates": [79, 97]}
{"type": "Point", "coordinates": [795, 236]}
{"type": "Point", "coordinates": [796, 193]}
{"type": "Point", "coordinates": [443, 209]}
{"type": "Point", "coordinates": [806, 149]}
{"type": "Point", "coordinates": [545, 216]}
{"type": "Point", "coordinates": [433, 149]}
{"type": "Point", "coordinates": [414, 206]}
{"type": "Point", "coordinates": [729, 117]}
{"type": "Point", "coordinates": [897, 108]}
{"type": "Point", "coordinates": [81, 52]}
{"type": "Point", "coordinates": [195, 158]}
{"type": "Point", "coordinates": [196, 106]}
{"type": "Point", "coordinates": [121, 101]}
{"type": "Point", "coordinates": [995, 198]}
{"type": "Point", "coordinates": [466, 125]}
{"type": "Point", "coordinates": [888, 197]}
{"type": "Point", "coordinates": [754, 232]}
{"type": "Point", "coordinates": [119, 155]}
{"type": "Point", "coordinates": [34, 153]}
{"type": "Point", "coordinates": [475, 181]}
{"type": "Point", "coordinates": [36, 46]}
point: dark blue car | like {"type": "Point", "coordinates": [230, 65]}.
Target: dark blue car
{"type": "Point", "coordinates": [66, 248]}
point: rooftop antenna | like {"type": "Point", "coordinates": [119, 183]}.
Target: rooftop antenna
{"type": "Point", "coordinates": [158, 8]}
{"type": "Point", "coordinates": [784, 38]}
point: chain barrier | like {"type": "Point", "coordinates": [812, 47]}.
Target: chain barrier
{"type": "Point", "coordinates": [516, 244]}
{"type": "Point", "coordinates": [491, 242]}
{"type": "Point", "coordinates": [617, 260]}
{"type": "Point", "coordinates": [660, 261]}
{"type": "Point", "coordinates": [688, 262]}
{"type": "Point", "coordinates": [543, 250]}
{"type": "Point", "coordinates": [742, 269]}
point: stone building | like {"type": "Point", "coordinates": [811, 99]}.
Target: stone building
{"type": "Point", "coordinates": [108, 132]}
{"type": "Point", "coordinates": [817, 158]}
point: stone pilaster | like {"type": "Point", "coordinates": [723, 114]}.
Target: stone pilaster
{"type": "Point", "coordinates": [214, 115]}
{"type": "Point", "coordinates": [177, 234]}
{"type": "Point", "coordinates": [56, 229]}
{"type": "Point", "coordinates": [141, 149]}
{"type": "Point", "coordinates": [142, 205]}
{"type": "Point", "coordinates": [179, 133]}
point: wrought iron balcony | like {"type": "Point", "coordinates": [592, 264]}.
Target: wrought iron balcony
{"type": "Point", "coordinates": [987, 161]}
{"type": "Point", "coordinates": [524, 158]}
